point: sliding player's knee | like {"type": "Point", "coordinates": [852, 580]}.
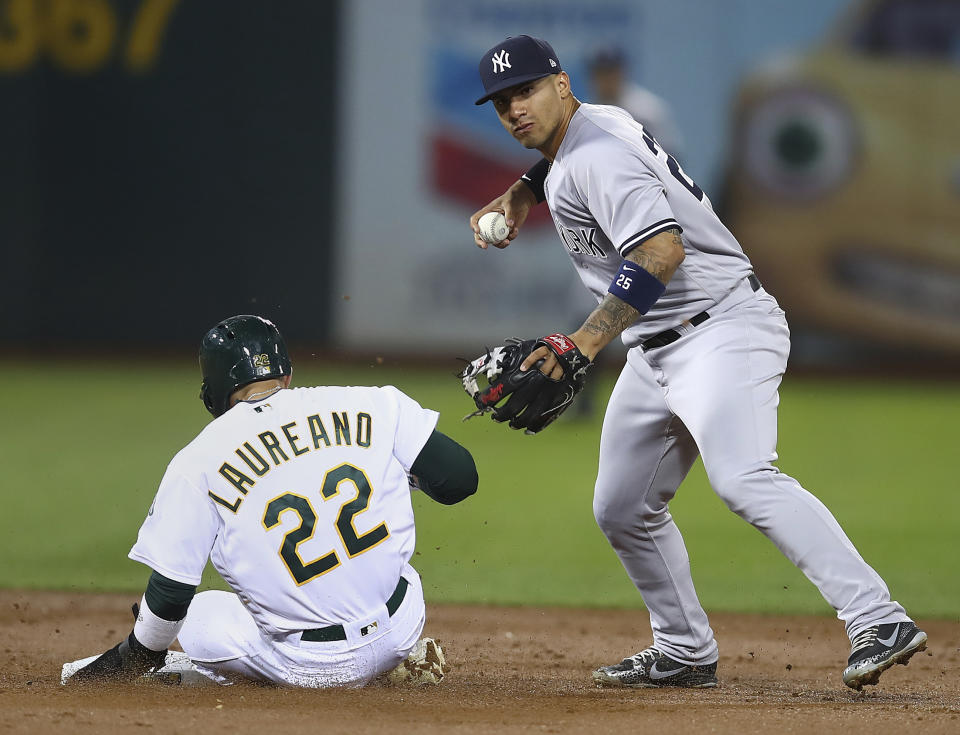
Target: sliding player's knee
{"type": "Point", "coordinates": [210, 619]}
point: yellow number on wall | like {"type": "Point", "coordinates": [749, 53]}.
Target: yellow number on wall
{"type": "Point", "coordinates": [19, 34]}
{"type": "Point", "coordinates": [80, 36]}
{"type": "Point", "coordinates": [80, 33]}
{"type": "Point", "coordinates": [151, 21]}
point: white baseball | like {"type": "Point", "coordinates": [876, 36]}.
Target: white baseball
{"type": "Point", "coordinates": [493, 227]}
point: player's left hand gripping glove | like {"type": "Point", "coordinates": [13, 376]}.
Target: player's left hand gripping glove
{"type": "Point", "coordinates": [533, 401]}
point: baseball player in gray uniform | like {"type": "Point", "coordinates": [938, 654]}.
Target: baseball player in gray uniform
{"type": "Point", "coordinates": [300, 497]}
{"type": "Point", "coordinates": [707, 346]}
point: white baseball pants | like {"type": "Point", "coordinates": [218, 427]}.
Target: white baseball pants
{"type": "Point", "coordinates": [714, 393]}
{"type": "Point", "coordinates": [224, 642]}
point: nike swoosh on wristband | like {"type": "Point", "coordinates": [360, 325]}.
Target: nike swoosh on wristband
{"type": "Point", "coordinates": [893, 636]}
{"type": "Point", "coordinates": [655, 673]}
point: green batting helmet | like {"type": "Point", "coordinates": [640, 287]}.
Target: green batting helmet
{"type": "Point", "coordinates": [239, 351]}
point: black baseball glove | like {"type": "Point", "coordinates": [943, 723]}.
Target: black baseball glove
{"type": "Point", "coordinates": [126, 661]}
{"type": "Point", "coordinates": [533, 401]}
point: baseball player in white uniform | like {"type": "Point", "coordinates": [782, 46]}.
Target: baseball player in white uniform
{"type": "Point", "coordinates": [301, 499]}
{"type": "Point", "coordinates": [707, 349]}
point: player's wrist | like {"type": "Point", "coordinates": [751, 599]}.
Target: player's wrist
{"type": "Point", "coordinates": [535, 178]}
{"type": "Point", "coordinates": [152, 631]}
{"type": "Point", "coordinates": [139, 657]}
{"type": "Point", "coordinates": [588, 344]}
{"type": "Point", "coordinates": [521, 191]}
{"type": "Point", "coordinates": [636, 286]}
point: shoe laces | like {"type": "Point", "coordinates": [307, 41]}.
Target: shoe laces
{"type": "Point", "coordinates": [864, 639]}
{"type": "Point", "coordinates": [646, 657]}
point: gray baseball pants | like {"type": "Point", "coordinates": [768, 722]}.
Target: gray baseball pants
{"type": "Point", "coordinates": [713, 392]}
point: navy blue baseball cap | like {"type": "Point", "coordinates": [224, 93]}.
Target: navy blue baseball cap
{"type": "Point", "coordinates": [515, 60]}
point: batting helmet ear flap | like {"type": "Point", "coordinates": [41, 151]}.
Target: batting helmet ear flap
{"type": "Point", "coordinates": [207, 398]}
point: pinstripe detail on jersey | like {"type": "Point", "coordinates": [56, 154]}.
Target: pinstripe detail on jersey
{"type": "Point", "coordinates": [645, 234]}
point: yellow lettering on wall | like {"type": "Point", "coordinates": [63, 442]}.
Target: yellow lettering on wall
{"type": "Point", "coordinates": [152, 19]}
{"type": "Point", "coordinates": [19, 35]}
{"type": "Point", "coordinates": [81, 36]}
{"type": "Point", "coordinates": [80, 33]}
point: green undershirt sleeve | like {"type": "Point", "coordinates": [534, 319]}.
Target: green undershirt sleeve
{"type": "Point", "coordinates": [167, 598]}
{"type": "Point", "coordinates": [445, 470]}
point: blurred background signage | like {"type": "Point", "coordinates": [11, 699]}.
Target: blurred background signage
{"type": "Point", "coordinates": [164, 163]}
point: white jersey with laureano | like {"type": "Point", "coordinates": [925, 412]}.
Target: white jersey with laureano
{"type": "Point", "coordinates": [300, 500]}
{"type": "Point", "coordinates": [610, 188]}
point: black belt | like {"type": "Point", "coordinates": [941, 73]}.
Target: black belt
{"type": "Point", "coordinates": [669, 336]}
{"type": "Point", "coordinates": [337, 633]}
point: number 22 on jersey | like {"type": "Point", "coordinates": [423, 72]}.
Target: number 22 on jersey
{"type": "Point", "coordinates": [354, 543]}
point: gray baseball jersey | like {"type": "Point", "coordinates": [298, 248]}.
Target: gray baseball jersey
{"type": "Point", "coordinates": [611, 187]}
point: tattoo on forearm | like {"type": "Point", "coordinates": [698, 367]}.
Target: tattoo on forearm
{"type": "Point", "coordinates": [613, 315]}
{"type": "Point", "coordinates": [655, 263]}
{"type": "Point", "coordinates": [610, 318]}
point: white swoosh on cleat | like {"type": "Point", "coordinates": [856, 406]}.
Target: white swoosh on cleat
{"type": "Point", "coordinates": [893, 636]}
{"type": "Point", "coordinates": [656, 674]}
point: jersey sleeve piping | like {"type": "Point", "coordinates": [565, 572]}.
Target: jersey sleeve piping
{"type": "Point", "coordinates": [645, 234]}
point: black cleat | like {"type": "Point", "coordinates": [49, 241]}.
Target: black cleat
{"type": "Point", "coordinates": [876, 649]}
{"type": "Point", "coordinates": [651, 668]}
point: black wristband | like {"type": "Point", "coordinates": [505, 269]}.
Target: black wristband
{"type": "Point", "coordinates": [535, 178]}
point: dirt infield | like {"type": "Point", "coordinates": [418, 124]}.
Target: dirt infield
{"type": "Point", "coordinates": [515, 670]}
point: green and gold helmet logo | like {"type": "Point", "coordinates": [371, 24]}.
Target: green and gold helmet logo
{"type": "Point", "coordinates": [261, 364]}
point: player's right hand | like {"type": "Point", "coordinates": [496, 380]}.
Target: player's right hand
{"type": "Point", "coordinates": [515, 203]}
{"type": "Point", "coordinates": [126, 661]}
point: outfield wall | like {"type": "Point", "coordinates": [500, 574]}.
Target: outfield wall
{"type": "Point", "coordinates": [164, 163]}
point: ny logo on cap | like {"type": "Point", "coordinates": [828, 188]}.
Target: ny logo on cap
{"type": "Point", "coordinates": [501, 61]}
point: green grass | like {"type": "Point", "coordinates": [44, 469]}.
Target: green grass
{"type": "Point", "coordinates": [84, 445]}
